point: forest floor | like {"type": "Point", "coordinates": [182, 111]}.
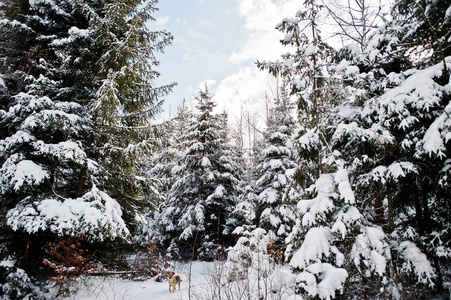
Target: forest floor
{"type": "Point", "coordinates": [204, 286]}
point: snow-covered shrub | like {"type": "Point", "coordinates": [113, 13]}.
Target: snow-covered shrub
{"type": "Point", "coordinates": [249, 254]}
{"type": "Point", "coordinates": [254, 269]}
{"type": "Point", "coordinates": [146, 262]}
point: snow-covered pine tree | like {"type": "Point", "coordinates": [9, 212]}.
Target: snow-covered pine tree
{"type": "Point", "coordinates": [307, 70]}
{"type": "Point", "coordinates": [347, 238]}
{"type": "Point", "coordinates": [165, 164]}
{"type": "Point", "coordinates": [200, 203]}
{"type": "Point", "coordinates": [40, 153]}
{"type": "Point", "coordinates": [70, 148]}
{"type": "Point", "coordinates": [311, 250]}
{"type": "Point", "coordinates": [406, 172]}
{"type": "Point", "coordinates": [231, 169]}
{"type": "Point", "coordinates": [277, 161]}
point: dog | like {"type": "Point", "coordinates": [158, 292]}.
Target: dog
{"type": "Point", "coordinates": [173, 281]}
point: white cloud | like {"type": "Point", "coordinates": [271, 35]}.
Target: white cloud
{"type": "Point", "coordinates": [206, 54]}
{"type": "Point", "coordinates": [206, 23]}
{"type": "Point", "coordinates": [210, 83]}
{"type": "Point", "coordinates": [248, 84]}
{"type": "Point", "coordinates": [244, 87]}
{"type": "Point", "coordinates": [161, 21]}
{"type": "Point", "coordinates": [261, 18]}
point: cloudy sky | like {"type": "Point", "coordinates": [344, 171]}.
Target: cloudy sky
{"type": "Point", "coordinates": [217, 42]}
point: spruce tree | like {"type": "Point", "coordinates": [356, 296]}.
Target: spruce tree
{"type": "Point", "coordinates": [401, 134]}
{"type": "Point", "coordinates": [165, 165]}
{"type": "Point", "coordinates": [361, 176]}
{"type": "Point", "coordinates": [277, 162]}
{"type": "Point", "coordinates": [196, 217]}
{"type": "Point", "coordinates": [77, 100]}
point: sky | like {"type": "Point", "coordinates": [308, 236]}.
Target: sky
{"type": "Point", "coordinates": [217, 42]}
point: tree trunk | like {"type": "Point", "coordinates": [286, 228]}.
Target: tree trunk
{"type": "Point", "coordinates": [84, 169]}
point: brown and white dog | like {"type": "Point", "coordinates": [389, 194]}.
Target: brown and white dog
{"type": "Point", "coordinates": [173, 281]}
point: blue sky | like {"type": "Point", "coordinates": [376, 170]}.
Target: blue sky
{"type": "Point", "coordinates": [218, 42]}
{"type": "Point", "coordinates": [205, 36]}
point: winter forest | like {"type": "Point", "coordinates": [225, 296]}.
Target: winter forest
{"type": "Point", "coordinates": [343, 190]}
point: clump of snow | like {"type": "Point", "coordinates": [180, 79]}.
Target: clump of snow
{"type": "Point", "coordinates": [299, 83]}
{"type": "Point", "coordinates": [18, 172]}
{"type": "Point", "coordinates": [14, 23]}
{"type": "Point", "coordinates": [268, 215]}
{"type": "Point", "coordinates": [351, 70]}
{"type": "Point", "coordinates": [309, 140]}
{"type": "Point", "coordinates": [314, 209]}
{"type": "Point", "coordinates": [79, 32]}
{"type": "Point", "coordinates": [28, 172]}
{"type": "Point", "coordinates": [310, 50]}
{"type": "Point", "coordinates": [344, 187]}
{"type": "Point", "coordinates": [433, 140]}
{"type": "Point", "coordinates": [342, 65]}
{"type": "Point", "coordinates": [16, 140]}
{"type": "Point", "coordinates": [199, 213]}
{"type": "Point", "coordinates": [205, 162]}
{"type": "Point", "coordinates": [269, 195]}
{"type": "Point", "coordinates": [332, 280]}
{"type": "Point", "coordinates": [345, 218]}
{"type": "Point", "coordinates": [394, 171]}
{"type": "Point", "coordinates": [95, 215]}
{"type": "Point", "coordinates": [349, 215]}
{"type": "Point", "coordinates": [370, 249]}
{"type": "Point", "coordinates": [417, 262]}
{"type": "Point", "coordinates": [354, 48]}
{"type": "Point", "coordinates": [315, 245]}
{"type": "Point", "coordinates": [7, 263]}
{"type": "Point", "coordinates": [373, 54]}
{"type": "Point", "coordinates": [218, 193]}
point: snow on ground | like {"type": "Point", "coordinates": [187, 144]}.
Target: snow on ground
{"type": "Point", "coordinates": [202, 286]}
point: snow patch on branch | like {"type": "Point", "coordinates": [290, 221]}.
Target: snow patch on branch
{"type": "Point", "coordinates": [27, 172]}
{"type": "Point", "coordinates": [417, 262]}
{"type": "Point", "coordinates": [95, 215]}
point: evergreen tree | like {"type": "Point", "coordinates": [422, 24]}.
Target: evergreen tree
{"type": "Point", "coordinates": [404, 169]}
{"type": "Point", "coordinates": [77, 99]}
{"type": "Point", "coordinates": [275, 169]}
{"type": "Point", "coordinates": [412, 110]}
{"type": "Point", "coordinates": [166, 165]}
{"type": "Point", "coordinates": [358, 197]}
{"type": "Point", "coordinates": [197, 212]}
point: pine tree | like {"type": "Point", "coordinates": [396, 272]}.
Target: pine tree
{"type": "Point", "coordinates": [308, 72]}
{"type": "Point", "coordinates": [76, 108]}
{"type": "Point", "coordinates": [353, 234]}
{"type": "Point", "coordinates": [277, 162]}
{"type": "Point", "coordinates": [405, 152]}
{"type": "Point", "coordinates": [413, 111]}
{"type": "Point", "coordinates": [198, 209]}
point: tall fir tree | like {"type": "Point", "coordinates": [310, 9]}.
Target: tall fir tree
{"type": "Point", "coordinates": [277, 162]}
{"type": "Point", "coordinates": [166, 163]}
{"type": "Point", "coordinates": [77, 98]}
{"type": "Point", "coordinates": [353, 234]}
{"type": "Point", "coordinates": [410, 53]}
{"type": "Point", "coordinates": [197, 215]}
